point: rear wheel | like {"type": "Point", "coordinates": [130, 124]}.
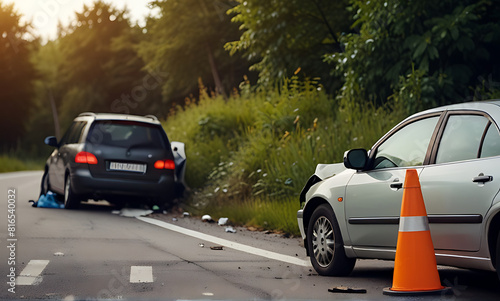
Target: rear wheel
{"type": "Point", "coordinates": [45, 186]}
{"type": "Point", "coordinates": [71, 200]}
{"type": "Point", "coordinates": [325, 244]}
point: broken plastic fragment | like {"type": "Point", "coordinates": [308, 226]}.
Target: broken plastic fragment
{"type": "Point", "coordinates": [345, 289]}
{"type": "Point", "coordinates": [223, 221]}
{"type": "Point", "coordinates": [132, 212]}
{"type": "Point", "coordinates": [230, 230]}
{"type": "Point", "coordinates": [207, 218]}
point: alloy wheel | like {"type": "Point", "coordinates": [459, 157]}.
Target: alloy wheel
{"type": "Point", "coordinates": [323, 241]}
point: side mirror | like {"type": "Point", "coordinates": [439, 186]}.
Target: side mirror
{"type": "Point", "coordinates": [51, 141]}
{"type": "Point", "coordinates": [356, 158]}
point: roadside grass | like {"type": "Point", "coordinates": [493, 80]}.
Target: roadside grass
{"type": "Point", "coordinates": [249, 156]}
{"type": "Point", "coordinates": [9, 163]}
{"type": "Point", "coordinates": [276, 215]}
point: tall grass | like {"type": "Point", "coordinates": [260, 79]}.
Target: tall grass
{"type": "Point", "coordinates": [9, 163]}
{"type": "Point", "coordinates": [249, 156]}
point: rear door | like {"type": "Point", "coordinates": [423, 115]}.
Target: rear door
{"type": "Point", "coordinates": [460, 187]}
{"type": "Point", "coordinates": [127, 149]}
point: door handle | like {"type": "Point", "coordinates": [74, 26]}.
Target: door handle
{"type": "Point", "coordinates": [481, 178]}
{"type": "Point", "coordinates": [397, 185]}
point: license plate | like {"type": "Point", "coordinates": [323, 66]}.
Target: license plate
{"type": "Point", "coordinates": [132, 167]}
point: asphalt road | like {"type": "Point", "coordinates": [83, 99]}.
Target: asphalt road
{"type": "Point", "coordinates": [93, 254]}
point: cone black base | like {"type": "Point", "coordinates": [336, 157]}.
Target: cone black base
{"type": "Point", "coordinates": [443, 291]}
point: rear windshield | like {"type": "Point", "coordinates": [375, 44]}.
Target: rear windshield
{"type": "Point", "coordinates": [127, 134]}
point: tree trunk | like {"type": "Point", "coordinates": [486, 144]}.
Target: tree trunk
{"type": "Point", "coordinates": [57, 128]}
{"type": "Point", "coordinates": [215, 73]}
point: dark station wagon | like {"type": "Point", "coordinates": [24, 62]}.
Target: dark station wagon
{"type": "Point", "coordinates": [113, 157]}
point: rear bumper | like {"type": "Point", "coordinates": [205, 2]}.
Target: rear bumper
{"type": "Point", "coordinates": [83, 183]}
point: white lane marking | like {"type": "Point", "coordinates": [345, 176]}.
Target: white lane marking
{"type": "Point", "coordinates": [31, 273]}
{"type": "Point", "coordinates": [141, 274]}
{"type": "Point", "coordinates": [228, 243]}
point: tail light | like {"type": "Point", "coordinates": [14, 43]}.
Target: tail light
{"type": "Point", "coordinates": [165, 164]}
{"type": "Point", "coordinates": [85, 158]}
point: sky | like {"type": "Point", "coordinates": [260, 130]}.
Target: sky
{"type": "Point", "coordinates": [45, 14]}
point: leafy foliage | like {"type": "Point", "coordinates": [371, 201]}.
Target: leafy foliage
{"type": "Point", "coordinates": [284, 35]}
{"type": "Point", "coordinates": [451, 43]}
{"type": "Point", "coordinates": [186, 41]}
{"type": "Point", "coordinates": [101, 68]}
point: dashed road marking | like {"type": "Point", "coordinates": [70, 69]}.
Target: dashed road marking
{"type": "Point", "coordinates": [30, 275]}
{"type": "Point", "coordinates": [141, 274]}
{"type": "Point", "coordinates": [227, 243]}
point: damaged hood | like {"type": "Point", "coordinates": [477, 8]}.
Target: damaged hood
{"type": "Point", "coordinates": [324, 171]}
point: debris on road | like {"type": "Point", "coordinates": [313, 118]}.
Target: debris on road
{"type": "Point", "coordinates": [217, 248]}
{"type": "Point", "coordinates": [48, 200]}
{"type": "Point", "coordinates": [201, 245]}
{"type": "Point", "coordinates": [133, 212]}
{"type": "Point", "coordinates": [207, 218]}
{"type": "Point", "coordinates": [156, 209]}
{"type": "Point", "coordinates": [345, 289]}
{"type": "Point", "coordinates": [230, 230]}
{"type": "Point", "coordinates": [185, 214]}
{"type": "Point", "coordinates": [58, 254]}
{"type": "Point", "coordinates": [223, 221]}
{"type": "Point", "coordinates": [174, 219]}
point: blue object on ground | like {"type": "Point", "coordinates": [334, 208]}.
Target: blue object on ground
{"type": "Point", "coordinates": [49, 200]}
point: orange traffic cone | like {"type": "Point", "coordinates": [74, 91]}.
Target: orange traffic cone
{"type": "Point", "coordinates": [415, 268]}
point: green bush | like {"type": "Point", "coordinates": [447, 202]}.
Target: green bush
{"type": "Point", "coordinates": [249, 156]}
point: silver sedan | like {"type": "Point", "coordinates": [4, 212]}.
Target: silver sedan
{"type": "Point", "coordinates": [351, 210]}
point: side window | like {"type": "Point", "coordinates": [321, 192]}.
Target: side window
{"type": "Point", "coordinates": [74, 133]}
{"type": "Point", "coordinates": [461, 138]}
{"type": "Point", "coordinates": [408, 146]}
{"type": "Point", "coordinates": [77, 132]}
{"type": "Point", "coordinates": [66, 138]}
{"type": "Point", "coordinates": [491, 143]}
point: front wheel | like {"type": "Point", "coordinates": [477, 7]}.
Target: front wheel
{"type": "Point", "coordinates": [71, 200]}
{"type": "Point", "coordinates": [325, 244]}
{"type": "Point", "coordinates": [498, 256]}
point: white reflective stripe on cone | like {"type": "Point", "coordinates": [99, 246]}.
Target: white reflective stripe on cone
{"type": "Point", "coordinates": [413, 223]}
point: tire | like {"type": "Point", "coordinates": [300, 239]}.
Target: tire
{"type": "Point", "coordinates": [45, 184]}
{"type": "Point", "coordinates": [71, 200]}
{"type": "Point", "coordinates": [325, 244]}
{"type": "Point", "coordinates": [498, 256]}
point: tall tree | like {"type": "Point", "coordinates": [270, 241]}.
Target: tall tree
{"type": "Point", "coordinates": [284, 35]}
{"type": "Point", "coordinates": [101, 70]}
{"type": "Point", "coordinates": [186, 41]}
{"type": "Point", "coordinates": [16, 75]}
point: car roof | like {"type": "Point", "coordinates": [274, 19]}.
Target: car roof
{"type": "Point", "coordinates": [112, 116]}
{"type": "Point", "coordinates": [491, 107]}
{"type": "Point", "coordinates": [484, 105]}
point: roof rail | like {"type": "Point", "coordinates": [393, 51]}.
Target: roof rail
{"type": "Point", "coordinates": [152, 117]}
{"type": "Point", "coordinates": [92, 114]}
